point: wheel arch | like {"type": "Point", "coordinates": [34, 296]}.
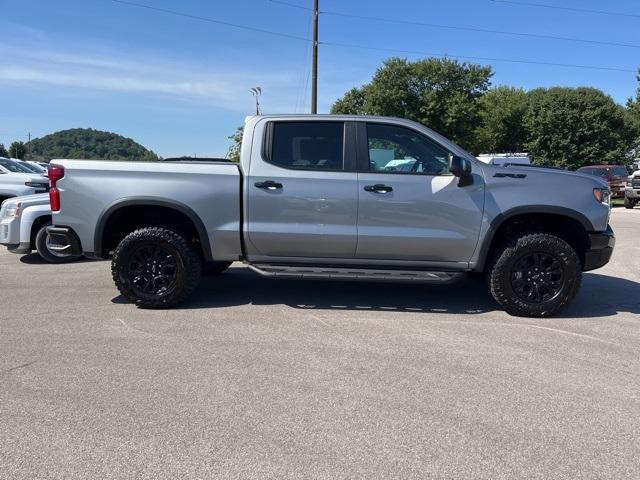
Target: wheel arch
{"type": "Point", "coordinates": [117, 209]}
{"type": "Point", "coordinates": [37, 224]}
{"type": "Point", "coordinates": [570, 225]}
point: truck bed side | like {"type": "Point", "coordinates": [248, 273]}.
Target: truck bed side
{"type": "Point", "coordinates": [92, 192]}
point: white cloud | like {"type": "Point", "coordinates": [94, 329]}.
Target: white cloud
{"type": "Point", "coordinates": [223, 86]}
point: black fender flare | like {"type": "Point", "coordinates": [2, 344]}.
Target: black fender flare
{"type": "Point", "coordinates": [500, 219]}
{"type": "Point", "coordinates": [156, 202]}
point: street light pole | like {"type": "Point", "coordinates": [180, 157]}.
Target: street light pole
{"type": "Point", "coordinates": [256, 92]}
{"type": "Point", "coordinates": [314, 65]}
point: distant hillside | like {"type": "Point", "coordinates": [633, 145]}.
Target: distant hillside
{"type": "Point", "coordinates": [89, 143]}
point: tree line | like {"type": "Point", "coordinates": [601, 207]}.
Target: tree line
{"type": "Point", "coordinates": [559, 126]}
{"type": "Point", "coordinates": [80, 143]}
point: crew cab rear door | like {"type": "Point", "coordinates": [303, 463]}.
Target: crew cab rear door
{"type": "Point", "coordinates": [301, 190]}
{"type": "Point", "coordinates": [410, 207]}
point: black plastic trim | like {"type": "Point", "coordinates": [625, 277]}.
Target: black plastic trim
{"type": "Point", "coordinates": [601, 246]}
{"type": "Point", "coordinates": [65, 236]}
{"type": "Point", "coordinates": [499, 220]}
{"type": "Point", "coordinates": [151, 201]}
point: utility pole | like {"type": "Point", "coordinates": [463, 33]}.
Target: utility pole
{"type": "Point", "coordinates": [29, 146]}
{"type": "Point", "coordinates": [314, 65]}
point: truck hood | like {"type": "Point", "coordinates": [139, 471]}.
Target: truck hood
{"type": "Point", "coordinates": [532, 171]}
{"type": "Point", "coordinates": [21, 178]}
{"type": "Point", "coordinates": [31, 200]}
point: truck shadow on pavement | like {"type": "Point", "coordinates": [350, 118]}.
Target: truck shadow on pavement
{"type": "Point", "coordinates": [36, 259]}
{"type": "Point", "coordinates": [600, 295]}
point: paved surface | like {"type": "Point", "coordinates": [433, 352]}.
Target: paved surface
{"type": "Point", "coordinates": [260, 378]}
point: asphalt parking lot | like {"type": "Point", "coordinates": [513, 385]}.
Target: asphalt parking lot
{"type": "Point", "coordinates": [259, 378]}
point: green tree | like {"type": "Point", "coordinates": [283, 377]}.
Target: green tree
{"type": "Point", "coordinates": [17, 150]}
{"type": "Point", "coordinates": [442, 94]}
{"type": "Point", "coordinates": [634, 103]}
{"type": "Point", "coordinates": [89, 143]}
{"type": "Point", "coordinates": [3, 151]}
{"type": "Point", "coordinates": [501, 128]}
{"type": "Point", "coordinates": [233, 153]}
{"type": "Point", "coordinates": [572, 127]}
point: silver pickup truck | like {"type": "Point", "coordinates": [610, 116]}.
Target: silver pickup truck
{"type": "Point", "coordinates": [340, 197]}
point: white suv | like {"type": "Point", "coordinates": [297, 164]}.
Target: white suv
{"type": "Point", "coordinates": [23, 228]}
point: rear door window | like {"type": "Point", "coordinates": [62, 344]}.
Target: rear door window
{"type": "Point", "coordinates": [307, 145]}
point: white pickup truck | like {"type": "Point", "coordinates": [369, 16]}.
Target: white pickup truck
{"type": "Point", "coordinates": [339, 197]}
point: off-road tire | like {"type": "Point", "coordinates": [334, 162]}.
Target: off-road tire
{"type": "Point", "coordinates": [46, 254]}
{"type": "Point", "coordinates": [188, 267]}
{"type": "Point", "coordinates": [628, 203]}
{"type": "Point", "coordinates": [214, 268]}
{"type": "Point", "coordinates": [512, 251]}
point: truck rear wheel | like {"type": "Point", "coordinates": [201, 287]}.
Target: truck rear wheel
{"type": "Point", "coordinates": [155, 267]}
{"type": "Point", "coordinates": [535, 275]}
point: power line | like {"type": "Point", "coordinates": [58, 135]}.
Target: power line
{"type": "Point", "coordinates": [366, 47]}
{"type": "Point", "coordinates": [458, 27]}
{"type": "Point", "coordinates": [211, 20]}
{"type": "Point", "coordinates": [487, 59]}
{"type": "Point", "coordinates": [571, 9]}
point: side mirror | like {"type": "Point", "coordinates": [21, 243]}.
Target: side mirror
{"type": "Point", "coordinates": [459, 166]}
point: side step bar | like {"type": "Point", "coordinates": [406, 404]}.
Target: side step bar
{"type": "Point", "coordinates": [349, 273]}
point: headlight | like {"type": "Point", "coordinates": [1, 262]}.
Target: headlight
{"type": "Point", "coordinates": [602, 195]}
{"type": "Point", "coordinates": [629, 182]}
{"type": "Point", "coordinates": [10, 210]}
{"type": "Point", "coordinates": [36, 184]}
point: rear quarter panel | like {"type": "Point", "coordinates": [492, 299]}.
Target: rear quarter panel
{"type": "Point", "coordinates": [212, 191]}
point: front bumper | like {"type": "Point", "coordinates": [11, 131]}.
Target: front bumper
{"type": "Point", "coordinates": [631, 192]}
{"type": "Point", "coordinates": [64, 240]}
{"type": "Point", "coordinates": [10, 233]}
{"type": "Point", "coordinates": [599, 250]}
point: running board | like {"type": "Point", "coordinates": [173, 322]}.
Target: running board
{"type": "Point", "coordinates": [347, 273]}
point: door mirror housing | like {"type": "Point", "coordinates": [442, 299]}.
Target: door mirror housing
{"type": "Point", "coordinates": [461, 168]}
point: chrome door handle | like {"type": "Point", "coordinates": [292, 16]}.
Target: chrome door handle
{"type": "Point", "coordinates": [378, 188]}
{"type": "Point", "coordinates": [268, 185]}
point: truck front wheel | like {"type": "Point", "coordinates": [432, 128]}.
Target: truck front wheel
{"type": "Point", "coordinates": [628, 203]}
{"type": "Point", "coordinates": [535, 275]}
{"type": "Point", "coordinates": [155, 267]}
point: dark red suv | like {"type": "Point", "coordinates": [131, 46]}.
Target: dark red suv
{"type": "Point", "coordinates": [615, 175]}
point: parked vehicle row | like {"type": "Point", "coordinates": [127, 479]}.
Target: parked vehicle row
{"type": "Point", "coordinates": [632, 190]}
{"type": "Point", "coordinates": [365, 198]}
{"type": "Point", "coordinates": [18, 180]}
{"type": "Point", "coordinates": [23, 227]}
{"type": "Point", "coordinates": [614, 175]}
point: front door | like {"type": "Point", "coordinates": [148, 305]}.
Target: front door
{"type": "Point", "coordinates": [410, 206]}
{"type": "Point", "coordinates": [302, 200]}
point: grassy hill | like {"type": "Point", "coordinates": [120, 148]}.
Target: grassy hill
{"type": "Point", "coordinates": [89, 143]}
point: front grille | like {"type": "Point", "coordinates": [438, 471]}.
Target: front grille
{"type": "Point", "coordinates": [635, 183]}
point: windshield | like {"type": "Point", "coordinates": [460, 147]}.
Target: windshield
{"type": "Point", "coordinates": [619, 172]}
{"type": "Point", "coordinates": [31, 168]}
{"type": "Point", "coordinates": [14, 167]}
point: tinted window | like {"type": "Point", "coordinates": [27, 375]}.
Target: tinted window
{"type": "Point", "coordinates": [14, 166]}
{"type": "Point", "coordinates": [308, 145]}
{"type": "Point", "coordinates": [400, 150]}
{"type": "Point", "coordinates": [619, 172]}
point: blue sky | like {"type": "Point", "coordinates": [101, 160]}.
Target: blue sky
{"type": "Point", "coordinates": [181, 86]}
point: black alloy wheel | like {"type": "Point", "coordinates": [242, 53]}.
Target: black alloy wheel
{"type": "Point", "coordinates": [537, 277]}
{"type": "Point", "coordinates": [152, 269]}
